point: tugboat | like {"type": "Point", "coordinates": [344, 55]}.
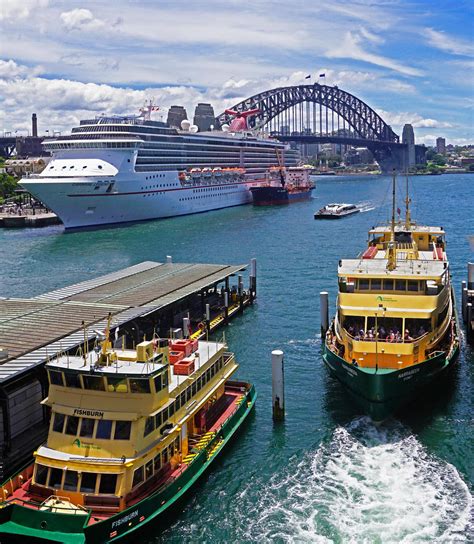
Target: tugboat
{"type": "Point", "coordinates": [131, 432]}
{"type": "Point", "coordinates": [395, 329]}
{"type": "Point", "coordinates": [336, 211]}
{"type": "Point", "coordinates": [284, 186]}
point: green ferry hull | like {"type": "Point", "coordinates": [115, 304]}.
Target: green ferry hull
{"type": "Point", "coordinates": [27, 525]}
{"type": "Point", "coordinates": [382, 393]}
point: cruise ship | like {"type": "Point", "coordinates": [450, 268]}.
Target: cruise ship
{"type": "Point", "coordinates": [116, 169]}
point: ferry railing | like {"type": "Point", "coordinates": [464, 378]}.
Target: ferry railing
{"type": "Point", "coordinates": [385, 340]}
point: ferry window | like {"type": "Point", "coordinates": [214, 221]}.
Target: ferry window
{"type": "Point", "coordinates": [400, 285]}
{"type": "Point", "coordinates": [72, 380]}
{"type": "Point", "coordinates": [70, 480]}
{"type": "Point", "coordinates": [71, 425]}
{"type": "Point", "coordinates": [157, 462]}
{"type": "Point", "coordinates": [363, 285]}
{"type": "Point", "coordinates": [164, 456]}
{"type": "Point", "coordinates": [104, 429]}
{"type": "Point", "coordinates": [412, 285]}
{"type": "Point", "coordinates": [188, 394]}
{"type": "Point", "coordinates": [55, 478]}
{"type": "Point", "coordinates": [164, 414]}
{"type": "Point", "coordinates": [177, 404]}
{"type": "Point", "coordinates": [149, 425]}
{"type": "Point", "coordinates": [194, 388]}
{"type": "Point", "coordinates": [171, 409]}
{"type": "Point", "coordinates": [118, 385]}
{"type": "Point", "coordinates": [41, 474]}
{"type": "Point", "coordinates": [87, 427]}
{"type": "Point", "coordinates": [376, 285]}
{"type": "Point", "coordinates": [139, 385]}
{"type": "Point", "coordinates": [96, 383]}
{"type": "Point", "coordinates": [157, 420]}
{"type": "Point", "coordinates": [182, 398]}
{"type": "Point", "coordinates": [108, 483]}
{"type": "Point", "coordinates": [148, 470]}
{"type": "Point", "coordinates": [165, 379]}
{"type": "Point", "coordinates": [199, 383]}
{"type": "Point", "coordinates": [137, 476]}
{"type": "Point", "coordinates": [58, 424]}
{"type": "Point", "coordinates": [122, 430]}
{"type": "Point", "coordinates": [88, 481]}
{"type": "Point", "coordinates": [55, 377]}
{"type": "Point", "coordinates": [158, 383]}
{"type": "Point", "coordinates": [388, 285]}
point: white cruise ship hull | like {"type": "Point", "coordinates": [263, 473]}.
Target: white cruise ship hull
{"type": "Point", "coordinates": [87, 202]}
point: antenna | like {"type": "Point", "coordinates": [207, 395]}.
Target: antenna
{"type": "Point", "coordinates": [407, 204]}
{"type": "Point", "coordinates": [392, 252]}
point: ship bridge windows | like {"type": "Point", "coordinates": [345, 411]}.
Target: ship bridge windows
{"type": "Point", "coordinates": [104, 429]}
{"type": "Point", "coordinates": [58, 422]}
{"type": "Point", "coordinates": [72, 425]}
{"type": "Point", "coordinates": [122, 430]}
{"type": "Point", "coordinates": [71, 480]}
{"type": "Point", "coordinates": [55, 377]}
{"type": "Point", "coordinates": [117, 384]}
{"type": "Point", "coordinates": [95, 383]}
{"type": "Point", "coordinates": [139, 385]}
{"type": "Point", "coordinates": [72, 380]}
{"type": "Point", "coordinates": [381, 285]}
{"type": "Point", "coordinates": [88, 482]}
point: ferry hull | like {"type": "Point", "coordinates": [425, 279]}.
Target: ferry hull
{"type": "Point", "coordinates": [382, 393]}
{"type": "Point", "coordinates": [29, 525]}
{"type": "Point", "coordinates": [270, 196]}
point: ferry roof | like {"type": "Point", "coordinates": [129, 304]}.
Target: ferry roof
{"type": "Point", "coordinates": [206, 351]}
{"type": "Point", "coordinates": [416, 269]}
{"type": "Point", "coordinates": [400, 227]}
{"type": "Point", "coordinates": [33, 330]}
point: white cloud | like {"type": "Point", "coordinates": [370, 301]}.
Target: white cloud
{"type": "Point", "coordinates": [19, 9]}
{"type": "Point", "coordinates": [350, 48]}
{"type": "Point", "coordinates": [448, 43]}
{"type": "Point", "coordinates": [10, 70]}
{"type": "Point", "coordinates": [418, 121]}
{"type": "Point", "coordinates": [82, 19]}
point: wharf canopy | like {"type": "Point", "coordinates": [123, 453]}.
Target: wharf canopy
{"type": "Point", "coordinates": [34, 330]}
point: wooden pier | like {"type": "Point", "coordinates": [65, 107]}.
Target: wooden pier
{"type": "Point", "coordinates": [148, 299]}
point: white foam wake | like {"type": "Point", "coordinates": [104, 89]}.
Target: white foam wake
{"type": "Point", "coordinates": [367, 485]}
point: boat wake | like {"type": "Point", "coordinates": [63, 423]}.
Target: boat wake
{"type": "Point", "coordinates": [367, 485]}
{"type": "Point", "coordinates": [366, 207]}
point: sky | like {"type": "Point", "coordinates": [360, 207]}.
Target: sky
{"type": "Point", "coordinates": [411, 61]}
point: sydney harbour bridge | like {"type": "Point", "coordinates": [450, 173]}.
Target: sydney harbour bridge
{"type": "Point", "coordinates": [320, 114]}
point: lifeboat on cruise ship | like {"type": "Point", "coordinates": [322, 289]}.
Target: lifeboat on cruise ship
{"type": "Point", "coordinates": [207, 172]}
{"type": "Point", "coordinates": [195, 173]}
{"type": "Point", "coordinates": [217, 171]}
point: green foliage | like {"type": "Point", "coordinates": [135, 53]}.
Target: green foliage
{"type": "Point", "coordinates": [8, 184]}
{"type": "Point", "coordinates": [471, 168]}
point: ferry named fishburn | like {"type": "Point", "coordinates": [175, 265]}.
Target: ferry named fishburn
{"type": "Point", "coordinates": [123, 169]}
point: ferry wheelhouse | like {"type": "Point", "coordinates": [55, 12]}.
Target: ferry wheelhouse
{"type": "Point", "coordinates": [130, 432]}
{"type": "Point", "coordinates": [114, 169]}
{"type": "Point", "coordinates": [395, 328]}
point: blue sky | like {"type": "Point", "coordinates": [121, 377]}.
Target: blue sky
{"type": "Point", "coordinates": [411, 61]}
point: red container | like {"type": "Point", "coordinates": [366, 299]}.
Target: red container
{"type": "Point", "coordinates": [185, 367]}
{"type": "Point", "coordinates": [194, 345]}
{"type": "Point", "coordinates": [182, 345]}
{"type": "Point", "coordinates": [176, 356]}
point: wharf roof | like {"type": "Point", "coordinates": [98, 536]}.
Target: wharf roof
{"type": "Point", "coordinates": [31, 330]}
{"type": "Point", "coordinates": [411, 268]}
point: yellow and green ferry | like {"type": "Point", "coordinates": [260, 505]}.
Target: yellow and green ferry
{"type": "Point", "coordinates": [131, 431]}
{"type": "Point", "coordinates": [395, 328]}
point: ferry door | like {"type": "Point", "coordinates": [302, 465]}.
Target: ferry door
{"type": "Point", "coordinates": [184, 440]}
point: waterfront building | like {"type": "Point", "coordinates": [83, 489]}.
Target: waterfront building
{"type": "Point", "coordinates": [441, 145]}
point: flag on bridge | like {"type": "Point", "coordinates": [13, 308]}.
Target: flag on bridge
{"type": "Point", "coordinates": [308, 77]}
{"type": "Point", "coordinates": [399, 211]}
{"type": "Point", "coordinates": [322, 75]}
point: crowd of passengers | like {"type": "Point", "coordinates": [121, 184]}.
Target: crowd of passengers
{"type": "Point", "coordinates": [392, 335]}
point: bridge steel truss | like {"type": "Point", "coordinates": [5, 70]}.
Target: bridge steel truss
{"type": "Point", "coordinates": [361, 119]}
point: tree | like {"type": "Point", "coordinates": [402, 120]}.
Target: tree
{"type": "Point", "coordinates": [8, 184]}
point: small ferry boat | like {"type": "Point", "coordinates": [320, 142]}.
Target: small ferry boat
{"type": "Point", "coordinates": [395, 329]}
{"type": "Point", "coordinates": [131, 431]}
{"type": "Point", "coordinates": [336, 211]}
{"type": "Point", "coordinates": [284, 186]}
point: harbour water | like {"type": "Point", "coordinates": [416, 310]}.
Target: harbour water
{"type": "Point", "coordinates": [326, 474]}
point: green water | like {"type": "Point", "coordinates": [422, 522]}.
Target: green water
{"type": "Point", "coordinates": [327, 474]}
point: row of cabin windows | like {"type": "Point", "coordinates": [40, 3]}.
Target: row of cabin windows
{"type": "Point", "coordinates": [376, 284]}
{"type": "Point", "coordinates": [146, 471]}
{"type": "Point", "coordinates": [154, 422]}
{"type": "Point", "coordinates": [71, 480]}
{"type": "Point", "coordinates": [85, 427]}
{"type": "Point", "coordinates": [119, 384]}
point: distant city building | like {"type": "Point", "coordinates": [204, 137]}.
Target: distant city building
{"type": "Point", "coordinates": [176, 114]}
{"type": "Point", "coordinates": [204, 117]}
{"type": "Point", "coordinates": [22, 167]}
{"type": "Point", "coordinates": [358, 155]}
{"type": "Point", "coordinates": [441, 145]}
{"type": "Point", "coordinates": [408, 138]}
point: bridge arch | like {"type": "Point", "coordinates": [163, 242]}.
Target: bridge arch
{"type": "Point", "coordinates": [297, 105]}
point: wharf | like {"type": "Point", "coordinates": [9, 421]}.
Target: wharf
{"type": "Point", "coordinates": [146, 299]}
{"type": "Point", "coordinates": [467, 303]}
{"type": "Point", "coordinates": [13, 221]}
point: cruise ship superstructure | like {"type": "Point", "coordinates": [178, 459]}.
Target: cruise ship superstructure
{"type": "Point", "coordinates": [122, 169]}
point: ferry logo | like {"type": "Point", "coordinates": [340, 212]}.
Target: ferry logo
{"type": "Point", "coordinates": [77, 443]}
{"type": "Point", "coordinates": [380, 298]}
{"type": "Point", "coordinates": [80, 444]}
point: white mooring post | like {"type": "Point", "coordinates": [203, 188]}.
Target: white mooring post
{"type": "Point", "coordinates": [278, 385]}
{"type": "Point", "coordinates": [169, 259]}
{"type": "Point", "coordinates": [226, 305]}
{"type": "Point", "coordinates": [253, 278]}
{"type": "Point", "coordinates": [470, 276]}
{"type": "Point", "coordinates": [208, 317]}
{"type": "Point", "coordinates": [186, 327]}
{"type": "Point", "coordinates": [324, 309]}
